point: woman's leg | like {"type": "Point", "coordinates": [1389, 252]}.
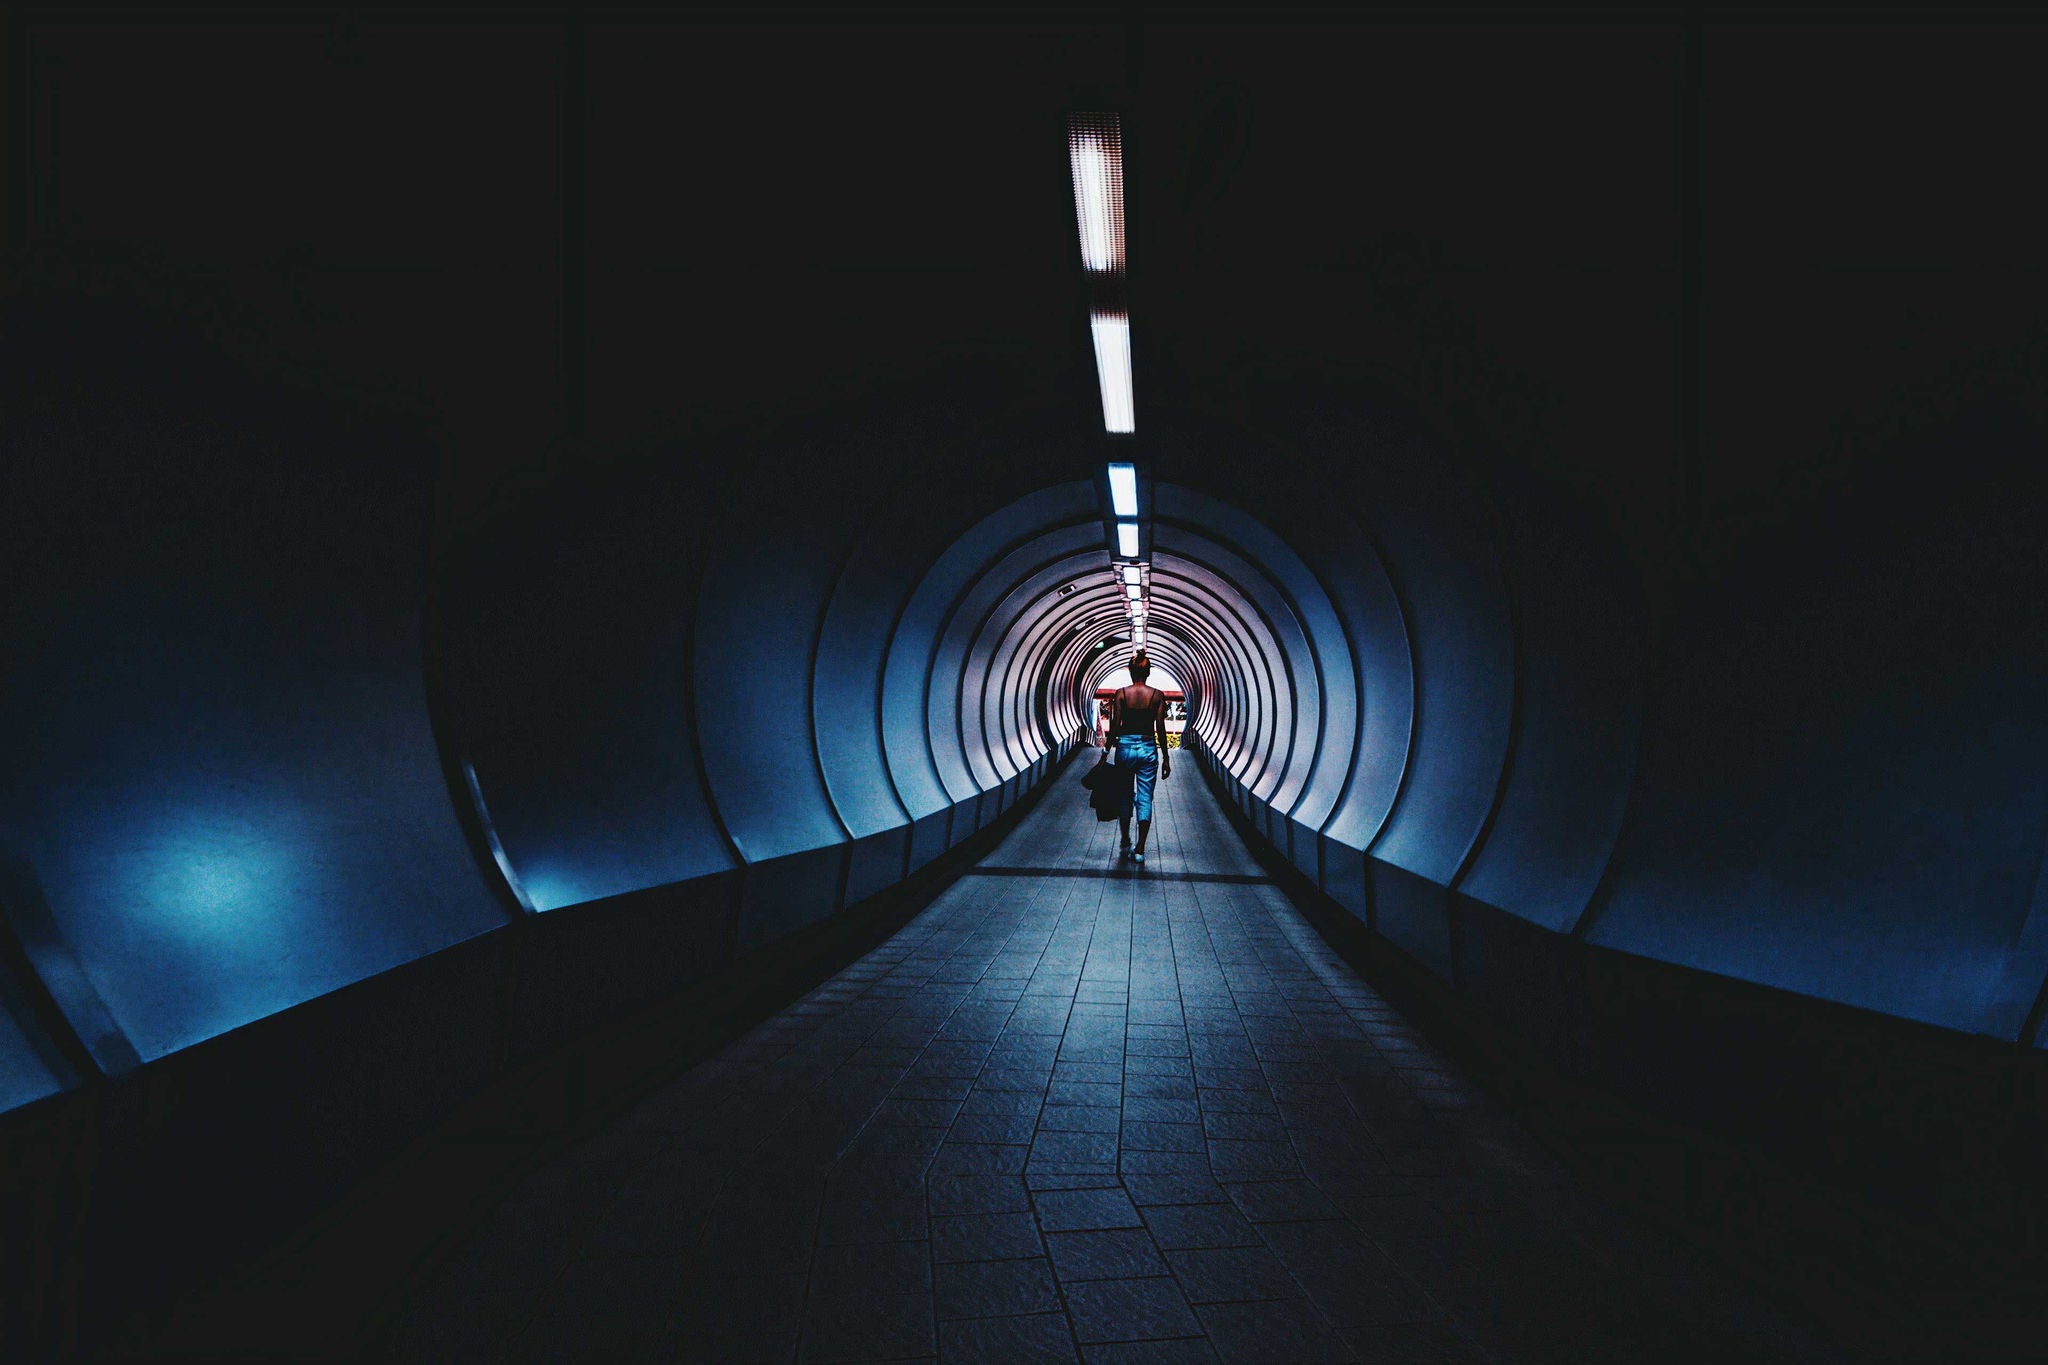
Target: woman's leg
{"type": "Point", "coordinates": [1123, 824]}
{"type": "Point", "coordinates": [1145, 772]}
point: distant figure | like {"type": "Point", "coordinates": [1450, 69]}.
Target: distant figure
{"type": "Point", "coordinates": [1137, 726]}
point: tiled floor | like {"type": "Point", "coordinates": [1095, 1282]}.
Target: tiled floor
{"type": "Point", "coordinates": [1075, 1111]}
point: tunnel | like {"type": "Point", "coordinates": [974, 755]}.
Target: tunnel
{"type": "Point", "coordinates": [565, 549]}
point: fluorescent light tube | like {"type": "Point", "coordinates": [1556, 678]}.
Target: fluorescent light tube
{"type": "Point", "coordinates": [1127, 536]}
{"type": "Point", "coordinates": [1123, 490]}
{"type": "Point", "coordinates": [1095, 147]}
{"type": "Point", "coordinates": [1134, 592]}
{"type": "Point", "coordinates": [1112, 333]}
{"type": "Point", "coordinates": [1133, 574]}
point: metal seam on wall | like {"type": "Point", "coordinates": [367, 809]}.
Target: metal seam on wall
{"type": "Point", "coordinates": [1041, 634]}
{"type": "Point", "coordinates": [974, 583]}
{"type": "Point", "coordinates": [825, 600]}
{"type": "Point", "coordinates": [981, 629]}
{"type": "Point", "coordinates": [1293, 606]}
{"type": "Point", "coordinates": [1259, 656]}
{"type": "Point", "coordinates": [939, 634]}
{"type": "Point", "coordinates": [945, 627]}
{"type": "Point", "coordinates": [1316, 655]}
{"type": "Point", "coordinates": [688, 626]}
{"type": "Point", "coordinates": [1253, 656]}
{"type": "Point", "coordinates": [1517, 661]}
{"type": "Point", "coordinates": [981, 633]}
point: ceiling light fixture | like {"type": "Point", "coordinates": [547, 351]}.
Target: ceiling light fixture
{"type": "Point", "coordinates": [1123, 489]}
{"type": "Point", "coordinates": [1095, 147]}
{"type": "Point", "coordinates": [1127, 538]}
{"type": "Point", "coordinates": [1112, 332]}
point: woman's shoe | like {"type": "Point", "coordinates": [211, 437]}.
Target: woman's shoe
{"type": "Point", "coordinates": [1137, 857]}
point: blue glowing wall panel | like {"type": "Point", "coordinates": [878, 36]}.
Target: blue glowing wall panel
{"type": "Point", "coordinates": [846, 698]}
{"type": "Point", "coordinates": [218, 760]}
{"type": "Point", "coordinates": [30, 1066]}
{"type": "Point", "coordinates": [1579, 686]}
{"type": "Point", "coordinates": [757, 628]}
{"type": "Point", "coordinates": [567, 663]}
{"type": "Point", "coordinates": [1843, 789]}
{"type": "Point", "coordinates": [874, 764]}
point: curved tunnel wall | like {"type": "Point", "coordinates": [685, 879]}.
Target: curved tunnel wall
{"type": "Point", "coordinates": [273, 850]}
{"type": "Point", "coordinates": [258, 839]}
{"type": "Point", "coordinates": [1430, 694]}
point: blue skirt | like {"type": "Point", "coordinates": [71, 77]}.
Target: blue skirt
{"type": "Point", "coordinates": [1139, 755]}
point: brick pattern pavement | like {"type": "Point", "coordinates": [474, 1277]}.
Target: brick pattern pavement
{"type": "Point", "coordinates": [1075, 1112]}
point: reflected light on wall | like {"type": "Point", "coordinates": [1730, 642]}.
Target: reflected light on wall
{"type": "Point", "coordinates": [1127, 537]}
{"type": "Point", "coordinates": [1123, 491]}
{"type": "Point", "coordinates": [1113, 369]}
{"type": "Point", "coordinates": [1095, 148]}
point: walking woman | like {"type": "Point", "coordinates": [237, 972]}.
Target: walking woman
{"type": "Point", "coordinates": [1137, 727]}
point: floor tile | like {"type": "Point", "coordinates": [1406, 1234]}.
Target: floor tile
{"type": "Point", "coordinates": [873, 1268]}
{"type": "Point", "coordinates": [1078, 1118]}
{"type": "Point", "coordinates": [985, 1237]}
{"type": "Point", "coordinates": [1200, 1225]}
{"type": "Point", "coordinates": [996, 1289]}
{"type": "Point", "coordinates": [1041, 1339]}
{"type": "Point", "coordinates": [1281, 1201]}
{"type": "Point", "coordinates": [1084, 1210]}
{"type": "Point", "coordinates": [1231, 1275]}
{"type": "Point", "coordinates": [740, 1319]}
{"type": "Point", "coordinates": [1289, 1332]}
{"type": "Point", "coordinates": [1181, 1351]}
{"type": "Point", "coordinates": [1111, 1254]}
{"type": "Point", "coordinates": [1174, 1187]}
{"type": "Point", "coordinates": [852, 1327]}
{"type": "Point", "coordinates": [952, 1195]}
{"type": "Point", "coordinates": [1129, 1310]}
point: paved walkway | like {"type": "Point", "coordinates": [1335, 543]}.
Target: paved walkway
{"type": "Point", "coordinates": [1075, 1112]}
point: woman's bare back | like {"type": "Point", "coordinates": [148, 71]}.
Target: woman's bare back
{"type": "Point", "coordinates": [1137, 710]}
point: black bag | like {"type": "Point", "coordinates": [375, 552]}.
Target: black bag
{"type": "Point", "coordinates": [1109, 789]}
